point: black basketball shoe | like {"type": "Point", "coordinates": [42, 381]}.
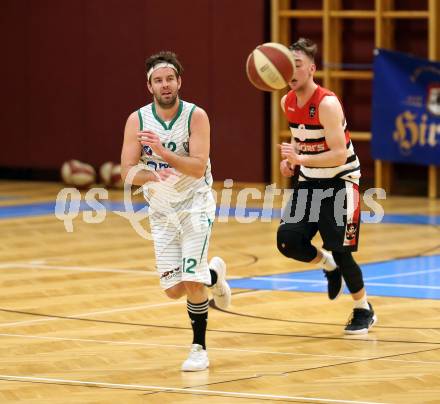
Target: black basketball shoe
{"type": "Point", "coordinates": [361, 321]}
{"type": "Point", "coordinates": [335, 283]}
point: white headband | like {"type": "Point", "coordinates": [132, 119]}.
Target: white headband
{"type": "Point", "coordinates": [158, 66]}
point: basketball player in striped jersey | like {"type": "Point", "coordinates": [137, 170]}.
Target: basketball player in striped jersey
{"type": "Point", "coordinates": [170, 138]}
{"type": "Point", "coordinates": [326, 195]}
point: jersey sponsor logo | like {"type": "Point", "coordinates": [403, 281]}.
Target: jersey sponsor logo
{"type": "Point", "coordinates": [147, 150]}
{"type": "Point", "coordinates": [300, 132]}
{"type": "Point", "coordinates": [157, 166]}
{"type": "Point", "coordinates": [186, 146]}
{"type": "Point", "coordinates": [312, 147]}
{"type": "Point", "coordinates": [312, 110]}
{"type": "Point", "coordinates": [291, 109]}
{"type": "Point", "coordinates": [170, 146]}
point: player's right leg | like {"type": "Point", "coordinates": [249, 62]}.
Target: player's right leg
{"type": "Point", "coordinates": [168, 253]}
{"type": "Point", "coordinates": [197, 305]}
{"type": "Point", "coordinates": [298, 226]}
{"type": "Point", "coordinates": [196, 229]}
{"type": "Point", "coordinates": [294, 241]}
{"type": "Point", "coordinates": [176, 291]}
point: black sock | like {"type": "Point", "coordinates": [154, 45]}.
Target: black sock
{"type": "Point", "coordinates": [213, 277]}
{"type": "Point", "coordinates": [198, 313]}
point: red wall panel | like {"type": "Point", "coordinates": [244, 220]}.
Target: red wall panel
{"type": "Point", "coordinates": [113, 57]}
{"type": "Point", "coordinates": [184, 28]}
{"type": "Point", "coordinates": [13, 107]}
{"type": "Point", "coordinates": [55, 70]}
{"type": "Point", "coordinates": [239, 141]}
{"type": "Point", "coordinates": [75, 71]}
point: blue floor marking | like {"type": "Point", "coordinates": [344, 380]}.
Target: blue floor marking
{"type": "Point", "coordinates": [9, 198]}
{"type": "Point", "coordinates": [48, 208]}
{"type": "Point", "coordinates": [417, 277]}
{"type": "Point", "coordinates": [33, 209]}
{"type": "Point", "coordinates": [412, 219]}
{"type": "Point", "coordinates": [412, 277]}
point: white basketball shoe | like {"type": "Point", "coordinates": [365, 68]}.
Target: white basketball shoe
{"type": "Point", "coordinates": [221, 291]}
{"type": "Point", "coordinates": [197, 359]}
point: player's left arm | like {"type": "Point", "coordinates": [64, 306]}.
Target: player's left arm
{"type": "Point", "coordinates": [193, 165]}
{"type": "Point", "coordinates": [332, 119]}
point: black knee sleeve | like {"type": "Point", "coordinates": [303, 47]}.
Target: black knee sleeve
{"type": "Point", "coordinates": [351, 271]}
{"type": "Point", "coordinates": [294, 244]}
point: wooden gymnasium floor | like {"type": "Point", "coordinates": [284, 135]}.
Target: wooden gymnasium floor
{"type": "Point", "coordinates": [83, 319]}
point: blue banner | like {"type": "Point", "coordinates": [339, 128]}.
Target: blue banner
{"type": "Point", "coordinates": [406, 109]}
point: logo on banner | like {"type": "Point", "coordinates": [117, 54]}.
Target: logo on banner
{"type": "Point", "coordinates": [419, 130]}
{"type": "Point", "coordinates": [414, 130]}
{"type": "Point", "coordinates": [433, 99]}
{"type": "Point", "coordinates": [406, 110]}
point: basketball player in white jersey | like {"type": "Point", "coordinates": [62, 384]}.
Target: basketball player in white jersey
{"type": "Point", "coordinates": [322, 155]}
{"type": "Point", "coordinates": [170, 139]}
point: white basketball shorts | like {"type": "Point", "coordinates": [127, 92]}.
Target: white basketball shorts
{"type": "Point", "coordinates": [181, 240]}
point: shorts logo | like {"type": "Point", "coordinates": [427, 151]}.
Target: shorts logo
{"type": "Point", "coordinates": [351, 231]}
{"type": "Point", "coordinates": [170, 274]}
{"type": "Point", "coordinates": [312, 110]}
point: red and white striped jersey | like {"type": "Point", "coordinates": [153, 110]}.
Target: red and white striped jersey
{"type": "Point", "coordinates": [309, 136]}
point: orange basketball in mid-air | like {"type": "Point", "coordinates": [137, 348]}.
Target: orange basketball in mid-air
{"type": "Point", "coordinates": [270, 66]}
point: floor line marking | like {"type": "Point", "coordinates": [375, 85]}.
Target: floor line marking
{"type": "Point", "coordinates": [142, 272]}
{"type": "Point", "coordinates": [78, 268]}
{"type": "Point", "coordinates": [145, 306]}
{"type": "Point", "coordinates": [427, 271]}
{"type": "Point", "coordinates": [179, 390]}
{"type": "Point", "coordinates": [268, 278]}
{"type": "Point", "coordinates": [73, 316]}
{"type": "Point", "coordinates": [172, 346]}
{"type": "Point", "coordinates": [401, 285]}
{"type": "Point", "coordinates": [318, 282]}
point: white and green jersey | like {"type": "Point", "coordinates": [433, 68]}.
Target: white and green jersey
{"type": "Point", "coordinates": [174, 135]}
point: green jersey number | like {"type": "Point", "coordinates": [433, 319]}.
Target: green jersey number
{"type": "Point", "coordinates": [188, 265]}
{"type": "Point", "coordinates": [170, 146]}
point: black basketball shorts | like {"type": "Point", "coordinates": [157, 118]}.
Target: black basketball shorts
{"type": "Point", "coordinates": [330, 206]}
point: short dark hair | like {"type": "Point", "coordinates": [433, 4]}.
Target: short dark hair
{"type": "Point", "coordinates": [307, 46]}
{"type": "Point", "coordinates": [161, 57]}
